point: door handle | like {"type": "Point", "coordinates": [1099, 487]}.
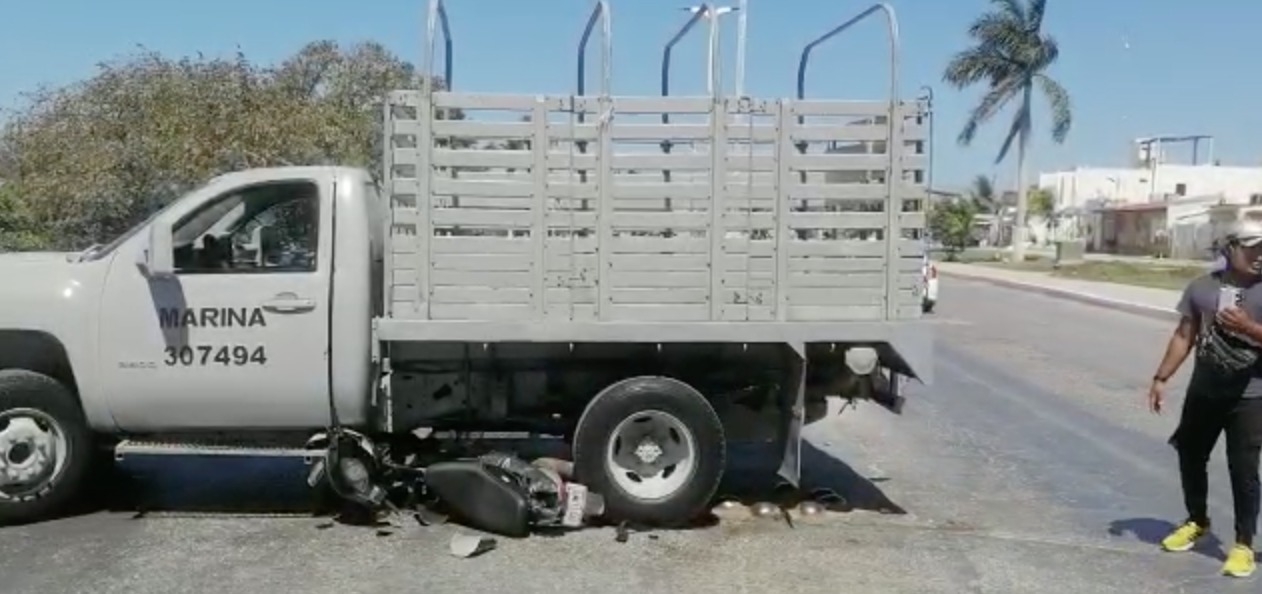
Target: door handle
{"type": "Point", "coordinates": [289, 303]}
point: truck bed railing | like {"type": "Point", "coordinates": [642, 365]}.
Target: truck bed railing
{"type": "Point", "coordinates": [437, 17]}
{"type": "Point", "coordinates": [600, 12]}
{"type": "Point", "coordinates": [692, 21]}
{"type": "Point", "coordinates": [893, 173]}
{"type": "Point", "coordinates": [745, 226]}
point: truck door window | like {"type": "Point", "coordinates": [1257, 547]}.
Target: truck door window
{"type": "Point", "coordinates": [270, 227]}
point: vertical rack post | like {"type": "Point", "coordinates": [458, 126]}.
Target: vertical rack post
{"type": "Point", "coordinates": [893, 145]}
{"type": "Point", "coordinates": [436, 17]}
{"type": "Point", "coordinates": [604, 163]}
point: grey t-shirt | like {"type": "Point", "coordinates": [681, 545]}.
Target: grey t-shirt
{"type": "Point", "coordinates": [1226, 364]}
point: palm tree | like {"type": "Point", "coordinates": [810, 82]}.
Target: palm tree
{"type": "Point", "coordinates": [1011, 56]}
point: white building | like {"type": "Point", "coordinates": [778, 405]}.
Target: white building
{"type": "Point", "coordinates": [1079, 186]}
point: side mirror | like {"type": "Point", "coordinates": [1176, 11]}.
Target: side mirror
{"type": "Point", "coordinates": [157, 259]}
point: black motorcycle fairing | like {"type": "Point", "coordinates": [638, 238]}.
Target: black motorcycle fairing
{"type": "Point", "coordinates": [486, 497]}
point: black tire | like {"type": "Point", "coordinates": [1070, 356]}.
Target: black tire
{"type": "Point", "coordinates": [26, 389]}
{"type": "Point", "coordinates": [626, 399]}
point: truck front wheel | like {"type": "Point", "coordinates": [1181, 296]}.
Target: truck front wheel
{"type": "Point", "coordinates": [45, 446]}
{"type": "Point", "coordinates": [653, 447]}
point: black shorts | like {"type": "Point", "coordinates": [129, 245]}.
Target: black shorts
{"type": "Point", "coordinates": [1206, 416]}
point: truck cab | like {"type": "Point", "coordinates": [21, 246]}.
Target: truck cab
{"type": "Point", "coordinates": [243, 305]}
{"type": "Point", "coordinates": [229, 309]}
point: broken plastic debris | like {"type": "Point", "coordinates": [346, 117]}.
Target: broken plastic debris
{"type": "Point", "coordinates": [428, 517]}
{"type": "Point", "coordinates": [811, 508]}
{"type": "Point", "coordinates": [564, 468]}
{"type": "Point", "coordinates": [764, 509]}
{"type": "Point", "coordinates": [466, 546]}
{"type": "Point", "coordinates": [728, 509]}
{"type": "Point", "coordinates": [622, 534]}
{"type": "Point", "coordinates": [808, 511]}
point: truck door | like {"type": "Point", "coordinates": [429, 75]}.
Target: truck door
{"type": "Point", "coordinates": [238, 336]}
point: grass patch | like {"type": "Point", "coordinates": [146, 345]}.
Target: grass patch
{"type": "Point", "coordinates": [1153, 275]}
{"type": "Point", "coordinates": [978, 256]}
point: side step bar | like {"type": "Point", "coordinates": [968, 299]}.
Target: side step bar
{"type": "Point", "coordinates": [129, 447]}
{"type": "Point", "coordinates": [264, 449]}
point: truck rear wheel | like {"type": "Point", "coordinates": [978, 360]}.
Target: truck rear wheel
{"type": "Point", "coordinates": [45, 446]}
{"type": "Point", "coordinates": [653, 447]}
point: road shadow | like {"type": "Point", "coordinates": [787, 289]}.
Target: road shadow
{"type": "Point", "coordinates": [208, 484]}
{"type": "Point", "coordinates": [1152, 531]}
{"type": "Point", "coordinates": [751, 478]}
{"type": "Point", "coordinates": [193, 485]}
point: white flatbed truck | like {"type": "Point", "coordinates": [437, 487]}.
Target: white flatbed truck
{"type": "Point", "coordinates": [567, 285]}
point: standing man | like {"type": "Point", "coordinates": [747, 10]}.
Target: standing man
{"type": "Point", "coordinates": [1221, 318]}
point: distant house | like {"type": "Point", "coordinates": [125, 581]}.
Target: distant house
{"type": "Point", "coordinates": [1076, 187]}
{"type": "Point", "coordinates": [1178, 228]}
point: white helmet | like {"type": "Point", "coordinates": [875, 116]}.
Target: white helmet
{"type": "Point", "coordinates": [1247, 233]}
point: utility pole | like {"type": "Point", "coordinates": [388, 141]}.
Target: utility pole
{"type": "Point", "coordinates": [742, 28]}
{"type": "Point", "coordinates": [928, 97]}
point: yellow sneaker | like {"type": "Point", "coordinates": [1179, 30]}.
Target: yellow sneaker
{"type": "Point", "coordinates": [1240, 562]}
{"type": "Point", "coordinates": [1184, 537]}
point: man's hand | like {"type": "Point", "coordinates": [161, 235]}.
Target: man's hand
{"type": "Point", "coordinates": [1156, 396]}
{"type": "Point", "coordinates": [1236, 320]}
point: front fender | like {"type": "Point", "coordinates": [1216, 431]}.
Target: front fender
{"type": "Point", "coordinates": [48, 324]}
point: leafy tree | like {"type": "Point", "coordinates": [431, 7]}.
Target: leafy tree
{"type": "Point", "coordinates": [1042, 203]}
{"type": "Point", "coordinates": [86, 161]}
{"type": "Point", "coordinates": [18, 232]}
{"type": "Point", "coordinates": [1011, 56]}
{"type": "Point", "coordinates": [951, 222]}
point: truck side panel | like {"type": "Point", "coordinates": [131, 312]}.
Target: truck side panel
{"type": "Point", "coordinates": [242, 347]}
{"type": "Point", "coordinates": [576, 212]}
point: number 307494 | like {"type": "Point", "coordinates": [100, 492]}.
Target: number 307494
{"type": "Point", "coordinates": [225, 355]}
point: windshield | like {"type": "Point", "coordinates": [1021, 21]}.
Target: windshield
{"type": "Point", "coordinates": [98, 252]}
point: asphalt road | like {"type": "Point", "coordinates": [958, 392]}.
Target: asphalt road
{"type": "Point", "coordinates": [1030, 466]}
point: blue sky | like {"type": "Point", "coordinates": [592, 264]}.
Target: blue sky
{"type": "Point", "coordinates": [1133, 67]}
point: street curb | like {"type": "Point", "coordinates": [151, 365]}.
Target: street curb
{"type": "Point", "coordinates": [1159, 313]}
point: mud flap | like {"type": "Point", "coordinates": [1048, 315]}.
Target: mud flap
{"type": "Point", "coordinates": [793, 411]}
{"type": "Point", "coordinates": [887, 391]}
